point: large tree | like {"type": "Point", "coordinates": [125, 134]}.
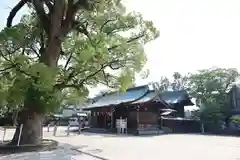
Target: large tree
{"type": "Point", "coordinates": [67, 45]}
{"type": "Point", "coordinates": [213, 84]}
{"type": "Point", "coordinates": [211, 87]}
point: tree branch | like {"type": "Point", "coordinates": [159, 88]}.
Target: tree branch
{"type": "Point", "coordinates": [105, 77]}
{"type": "Point", "coordinates": [44, 18]}
{"type": "Point", "coordinates": [69, 17]}
{"type": "Point", "coordinates": [16, 66]}
{"type": "Point", "coordinates": [71, 12]}
{"type": "Point", "coordinates": [230, 80]}
{"type": "Point", "coordinates": [105, 23]}
{"type": "Point", "coordinates": [81, 83]}
{"type": "Point", "coordinates": [115, 30]}
{"type": "Point", "coordinates": [42, 44]}
{"type": "Point", "coordinates": [14, 11]}
{"type": "Point", "coordinates": [49, 4]}
{"type": "Point", "coordinates": [81, 28]}
{"type": "Point", "coordinates": [68, 60]}
{"type": "Point", "coordinates": [128, 41]}
{"type": "Point", "coordinates": [5, 69]}
{"type": "Point", "coordinates": [35, 51]}
{"type": "Point", "coordinates": [83, 4]}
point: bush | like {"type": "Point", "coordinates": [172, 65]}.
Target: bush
{"type": "Point", "coordinates": [236, 120]}
{"type": "Point", "coordinates": [212, 118]}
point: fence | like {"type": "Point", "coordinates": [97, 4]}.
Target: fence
{"type": "Point", "coordinates": [182, 125]}
{"type": "Point", "coordinates": [121, 125]}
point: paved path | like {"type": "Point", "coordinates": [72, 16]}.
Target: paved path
{"type": "Point", "coordinates": [63, 153]}
{"type": "Point", "coordinates": [169, 147]}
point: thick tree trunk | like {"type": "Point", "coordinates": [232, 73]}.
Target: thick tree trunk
{"type": "Point", "coordinates": [32, 116]}
{"type": "Point", "coordinates": [32, 128]}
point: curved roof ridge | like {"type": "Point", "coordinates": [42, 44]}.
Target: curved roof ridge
{"type": "Point", "coordinates": [131, 95]}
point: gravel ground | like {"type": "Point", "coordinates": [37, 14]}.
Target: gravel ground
{"type": "Point", "coordinates": [116, 147]}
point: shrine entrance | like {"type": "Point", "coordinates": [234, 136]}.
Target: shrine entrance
{"type": "Point", "coordinates": [102, 119]}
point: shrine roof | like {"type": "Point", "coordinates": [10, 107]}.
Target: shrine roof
{"type": "Point", "coordinates": [150, 95]}
{"type": "Point", "coordinates": [174, 97]}
{"type": "Point", "coordinates": [169, 97]}
{"type": "Point", "coordinates": [139, 95]}
{"type": "Point", "coordinates": [117, 98]}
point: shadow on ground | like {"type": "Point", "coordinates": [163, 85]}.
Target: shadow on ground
{"type": "Point", "coordinates": [63, 152]}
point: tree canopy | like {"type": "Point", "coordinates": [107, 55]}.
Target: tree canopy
{"type": "Point", "coordinates": [104, 45]}
{"type": "Point", "coordinates": [62, 48]}
{"type": "Point", "coordinates": [210, 88]}
{"type": "Point", "coordinates": [177, 83]}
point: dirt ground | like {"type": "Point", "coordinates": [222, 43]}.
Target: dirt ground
{"type": "Point", "coordinates": [169, 147]}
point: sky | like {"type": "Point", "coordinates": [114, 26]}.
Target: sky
{"type": "Point", "coordinates": [194, 34]}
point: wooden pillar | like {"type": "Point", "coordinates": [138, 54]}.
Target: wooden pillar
{"type": "Point", "coordinates": [112, 120]}
{"type": "Point", "coordinates": [96, 120]}
{"type": "Point", "coordinates": [137, 117]}
{"type": "Point", "coordinates": [105, 119]}
{"type": "Point", "coordinates": [112, 117]}
{"type": "Point", "coordinates": [161, 120]}
{"type": "Point", "coordinates": [93, 119]}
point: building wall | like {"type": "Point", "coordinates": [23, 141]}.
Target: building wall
{"type": "Point", "coordinates": [146, 119]}
{"type": "Point", "coordinates": [180, 110]}
{"type": "Point", "coordinates": [93, 119]}
{"type": "Point", "coordinates": [182, 126]}
{"type": "Point", "coordinates": [235, 98]}
{"type": "Point", "coordinates": [132, 120]}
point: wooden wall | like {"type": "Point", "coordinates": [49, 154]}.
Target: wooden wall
{"type": "Point", "coordinates": [234, 96]}
{"type": "Point", "coordinates": [148, 115]}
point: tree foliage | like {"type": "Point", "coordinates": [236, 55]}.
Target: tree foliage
{"type": "Point", "coordinates": [67, 46]}
{"type": "Point", "coordinates": [211, 87]}
{"type": "Point", "coordinates": [212, 84]}
{"type": "Point", "coordinates": [236, 120]}
{"type": "Point", "coordinates": [177, 83]}
{"type": "Point", "coordinates": [212, 116]}
{"type": "Point", "coordinates": [100, 43]}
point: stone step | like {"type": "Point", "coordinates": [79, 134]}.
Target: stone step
{"type": "Point", "coordinates": [149, 131]}
{"type": "Point", "coordinates": [97, 130]}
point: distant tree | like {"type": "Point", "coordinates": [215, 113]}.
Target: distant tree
{"type": "Point", "coordinates": [72, 97]}
{"type": "Point", "coordinates": [208, 86]}
{"type": "Point", "coordinates": [162, 85]}
{"type": "Point", "coordinates": [212, 117]}
{"type": "Point", "coordinates": [211, 87]}
{"type": "Point", "coordinates": [179, 82]}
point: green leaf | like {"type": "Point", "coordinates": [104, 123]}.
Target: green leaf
{"type": "Point", "coordinates": [107, 37]}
